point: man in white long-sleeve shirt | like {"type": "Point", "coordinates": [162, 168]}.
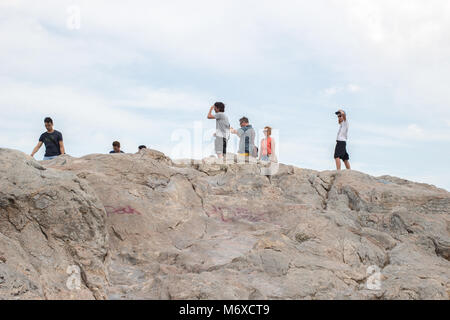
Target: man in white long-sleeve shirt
{"type": "Point", "coordinates": [340, 152]}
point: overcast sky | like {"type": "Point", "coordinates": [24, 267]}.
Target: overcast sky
{"type": "Point", "coordinates": [146, 72]}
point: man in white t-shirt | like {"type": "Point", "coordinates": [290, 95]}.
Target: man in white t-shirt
{"type": "Point", "coordinates": [340, 152]}
{"type": "Point", "coordinates": [222, 128]}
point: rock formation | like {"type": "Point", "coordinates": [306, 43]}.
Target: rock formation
{"type": "Point", "coordinates": [141, 226]}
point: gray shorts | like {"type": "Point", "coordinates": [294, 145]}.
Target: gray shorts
{"type": "Point", "coordinates": [221, 145]}
{"type": "Point", "coordinates": [50, 157]}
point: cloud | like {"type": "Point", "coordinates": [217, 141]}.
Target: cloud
{"type": "Point", "coordinates": [350, 88]}
{"type": "Point", "coordinates": [165, 99]}
{"type": "Point", "coordinates": [403, 134]}
{"type": "Point", "coordinates": [378, 141]}
{"type": "Point", "coordinates": [332, 91]}
{"type": "Point", "coordinates": [353, 88]}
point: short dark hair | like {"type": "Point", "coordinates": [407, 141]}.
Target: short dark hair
{"type": "Point", "coordinates": [142, 147]}
{"type": "Point", "coordinates": [116, 144]}
{"type": "Point", "coordinates": [220, 106]}
{"type": "Point", "coordinates": [243, 119]}
{"type": "Point", "coordinates": [48, 120]}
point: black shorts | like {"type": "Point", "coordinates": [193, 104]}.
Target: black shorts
{"type": "Point", "coordinates": [341, 151]}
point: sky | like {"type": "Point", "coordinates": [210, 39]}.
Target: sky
{"type": "Point", "coordinates": [146, 72]}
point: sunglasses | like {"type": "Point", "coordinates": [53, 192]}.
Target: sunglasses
{"type": "Point", "coordinates": [340, 116]}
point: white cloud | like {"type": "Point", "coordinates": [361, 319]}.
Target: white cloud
{"type": "Point", "coordinates": [403, 134]}
{"type": "Point", "coordinates": [165, 98]}
{"type": "Point", "coordinates": [332, 91]}
{"type": "Point", "coordinates": [375, 42]}
{"type": "Point", "coordinates": [350, 88]}
{"type": "Point", "coordinates": [353, 88]}
{"type": "Point", "coordinates": [378, 141]}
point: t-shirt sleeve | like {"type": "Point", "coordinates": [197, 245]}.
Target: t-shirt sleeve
{"type": "Point", "coordinates": [219, 116]}
{"type": "Point", "coordinates": [59, 137]}
{"type": "Point", "coordinates": [41, 138]}
{"type": "Point", "coordinates": [240, 132]}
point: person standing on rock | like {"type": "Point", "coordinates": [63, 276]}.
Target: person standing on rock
{"type": "Point", "coordinates": [53, 141]}
{"type": "Point", "coordinates": [246, 136]}
{"type": "Point", "coordinates": [222, 128]}
{"type": "Point", "coordinates": [267, 152]}
{"type": "Point", "coordinates": [116, 147]}
{"type": "Point", "coordinates": [340, 152]}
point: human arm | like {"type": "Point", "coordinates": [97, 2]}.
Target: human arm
{"type": "Point", "coordinates": [346, 130]}
{"type": "Point", "coordinates": [36, 149]}
{"type": "Point", "coordinates": [61, 147]}
{"type": "Point", "coordinates": [272, 146]}
{"type": "Point", "coordinates": [260, 149]}
{"type": "Point", "coordinates": [210, 115]}
{"type": "Point", "coordinates": [59, 138]}
{"type": "Point", "coordinates": [238, 132]}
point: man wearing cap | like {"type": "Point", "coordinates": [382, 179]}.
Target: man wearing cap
{"type": "Point", "coordinates": [340, 152]}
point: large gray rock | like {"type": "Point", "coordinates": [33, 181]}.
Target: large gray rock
{"type": "Point", "coordinates": [209, 230]}
{"type": "Point", "coordinates": [52, 226]}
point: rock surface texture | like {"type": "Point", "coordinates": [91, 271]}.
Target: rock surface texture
{"type": "Point", "coordinates": [141, 226]}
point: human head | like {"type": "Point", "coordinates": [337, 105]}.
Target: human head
{"type": "Point", "coordinates": [116, 146]}
{"type": "Point", "coordinates": [142, 147]}
{"type": "Point", "coordinates": [219, 107]}
{"type": "Point", "coordinates": [48, 122]}
{"type": "Point", "coordinates": [341, 115]}
{"type": "Point", "coordinates": [243, 121]}
{"type": "Point", "coordinates": [267, 131]}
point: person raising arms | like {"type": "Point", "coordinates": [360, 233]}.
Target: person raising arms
{"type": "Point", "coordinates": [222, 128]}
{"type": "Point", "coordinates": [340, 152]}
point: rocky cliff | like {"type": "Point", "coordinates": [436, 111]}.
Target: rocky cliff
{"type": "Point", "coordinates": [142, 226]}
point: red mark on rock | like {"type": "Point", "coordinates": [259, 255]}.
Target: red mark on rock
{"type": "Point", "coordinates": [121, 210]}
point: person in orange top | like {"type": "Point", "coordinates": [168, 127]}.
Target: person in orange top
{"type": "Point", "coordinates": [267, 146]}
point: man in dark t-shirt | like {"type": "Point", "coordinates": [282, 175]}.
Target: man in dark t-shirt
{"type": "Point", "coordinates": [116, 148]}
{"type": "Point", "coordinates": [53, 141]}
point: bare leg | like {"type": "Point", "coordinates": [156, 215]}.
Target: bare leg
{"type": "Point", "coordinates": [338, 163]}
{"type": "Point", "coordinates": [347, 164]}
